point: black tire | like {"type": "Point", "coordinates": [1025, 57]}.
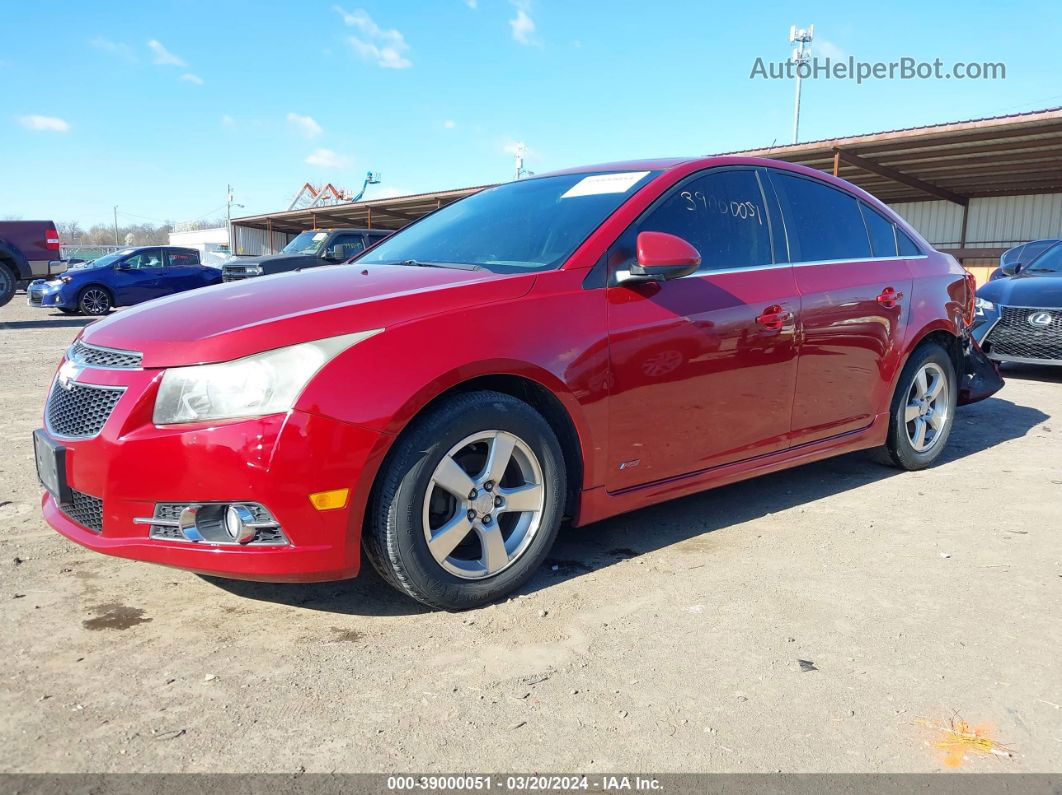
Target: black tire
{"type": "Point", "coordinates": [8, 282]}
{"type": "Point", "coordinates": [95, 300]}
{"type": "Point", "coordinates": [394, 537]}
{"type": "Point", "coordinates": [899, 450]}
{"type": "Point", "coordinates": [66, 311]}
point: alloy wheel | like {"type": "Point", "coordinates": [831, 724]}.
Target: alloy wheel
{"type": "Point", "coordinates": [95, 301]}
{"type": "Point", "coordinates": [483, 505]}
{"type": "Point", "coordinates": [927, 410]}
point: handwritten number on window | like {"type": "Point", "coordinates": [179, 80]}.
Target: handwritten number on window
{"type": "Point", "coordinates": [741, 210]}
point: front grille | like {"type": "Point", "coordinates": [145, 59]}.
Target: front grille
{"type": "Point", "coordinates": [1014, 336]}
{"type": "Point", "coordinates": [106, 358]}
{"type": "Point", "coordinates": [86, 510]}
{"type": "Point", "coordinates": [80, 411]}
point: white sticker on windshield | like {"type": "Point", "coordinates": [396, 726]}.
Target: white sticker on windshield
{"type": "Point", "coordinates": [320, 236]}
{"type": "Point", "coordinates": [604, 183]}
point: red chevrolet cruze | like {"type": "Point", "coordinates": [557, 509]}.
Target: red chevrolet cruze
{"type": "Point", "coordinates": [572, 345]}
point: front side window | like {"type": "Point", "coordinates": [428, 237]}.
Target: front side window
{"type": "Point", "coordinates": [520, 227]}
{"type": "Point", "coordinates": [1034, 250]}
{"type": "Point", "coordinates": [822, 223]}
{"type": "Point", "coordinates": [147, 259]}
{"type": "Point", "coordinates": [882, 232]}
{"type": "Point", "coordinates": [353, 244]}
{"type": "Point", "coordinates": [722, 215]}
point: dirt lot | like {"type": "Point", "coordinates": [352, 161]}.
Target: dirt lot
{"type": "Point", "coordinates": [806, 621]}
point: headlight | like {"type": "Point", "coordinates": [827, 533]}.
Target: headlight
{"type": "Point", "coordinates": [982, 306]}
{"type": "Point", "coordinates": [266, 383]}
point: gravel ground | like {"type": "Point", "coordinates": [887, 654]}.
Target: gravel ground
{"type": "Point", "coordinates": [809, 620]}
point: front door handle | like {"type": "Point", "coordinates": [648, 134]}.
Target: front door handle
{"type": "Point", "coordinates": [889, 297]}
{"type": "Point", "coordinates": [774, 317]}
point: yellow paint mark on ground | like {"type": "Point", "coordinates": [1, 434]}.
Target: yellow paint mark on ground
{"type": "Point", "coordinates": [956, 738]}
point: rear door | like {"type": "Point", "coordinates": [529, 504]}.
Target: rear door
{"type": "Point", "coordinates": [703, 368]}
{"type": "Point", "coordinates": [183, 270]}
{"type": "Point", "coordinates": [855, 295]}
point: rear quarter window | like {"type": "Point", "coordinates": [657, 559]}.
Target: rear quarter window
{"type": "Point", "coordinates": [881, 230]}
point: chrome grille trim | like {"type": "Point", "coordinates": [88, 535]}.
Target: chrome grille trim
{"type": "Point", "coordinates": [102, 358]}
{"type": "Point", "coordinates": [164, 525]}
{"type": "Point", "coordinates": [81, 411]}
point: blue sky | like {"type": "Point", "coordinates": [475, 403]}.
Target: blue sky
{"type": "Point", "coordinates": [156, 106]}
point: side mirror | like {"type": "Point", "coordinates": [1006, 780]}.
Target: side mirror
{"type": "Point", "coordinates": [336, 253]}
{"type": "Point", "coordinates": [122, 266]}
{"type": "Point", "coordinates": [1010, 268]}
{"type": "Point", "coordinates": [661, 257]}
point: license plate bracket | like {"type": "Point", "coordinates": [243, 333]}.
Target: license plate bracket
{"type": "Point", "coordinates": [51, 467]}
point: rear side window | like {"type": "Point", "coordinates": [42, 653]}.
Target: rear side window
{"type": "Point", "coordinates": [822, 223]}
{"type": "Point", "coordinates": [882, 232]}
{"type": "Point", "coordinates": [908, 248]}
{"type": "Point", "coordinates": [722, 215]}
{"type": "Point", "coordinates": [182, 259]}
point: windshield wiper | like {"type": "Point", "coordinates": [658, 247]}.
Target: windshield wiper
{"type": "Point", "coordinates": [464, 266]}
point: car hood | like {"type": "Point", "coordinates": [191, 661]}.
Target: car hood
{"type": "Point", "coordinates": [236, 319]}
{"type": "Point", "coordinates": [1025, 289]}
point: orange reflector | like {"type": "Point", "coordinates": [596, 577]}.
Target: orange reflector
{"type": "Point", "coordinates": [330, 500]}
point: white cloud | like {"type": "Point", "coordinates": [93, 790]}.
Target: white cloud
{"type": "Point", "coordinates": [188, 77]}
{"type": "Point", "coordinates": [387, 47]}
{"type": "Point", "coordinates": [389, 193]}
{"type": "Point", "coordinates": [164, 57]}
{"type": "Point", "coordinates": [522, 24]}
{"type": "Point", "coordinates": [228, 122]}
{"type": "Point", "coordinates": [113, 48]}
{"type": "Point", "coordinates": [473, 4]}
{"type": "Point", "coordinates": [44, 123]}
{"type": "Point", "coordinates": [827, 49]}
{"type": "Point", "coordinates": [326, 158]}
{"type": "Point", "coordinates": [449, 124]}
{"type": "Point", "coordinates": [307, 126]}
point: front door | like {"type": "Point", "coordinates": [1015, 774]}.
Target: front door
{"type": "Point", "coordinates": [855, 294]}
{"type": "Point", "coordinates": [703, 367]}
{"type": "Point", "coordinates": [137, 278]}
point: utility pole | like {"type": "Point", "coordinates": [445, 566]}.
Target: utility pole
{"type": "Point", "coordinates": [116, 224]}
{"type": "Point", "coordinates": [801, 55]}
{"type": "Point", "coordinates": [519, 153]}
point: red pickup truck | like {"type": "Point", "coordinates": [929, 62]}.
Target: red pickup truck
{"type": "Point", "coordinates": [28, 250]}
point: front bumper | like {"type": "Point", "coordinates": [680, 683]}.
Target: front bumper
{"type": "Point", "coordinates": [277, 461]}
{"type": "Point", "coordinates": [46, 295]}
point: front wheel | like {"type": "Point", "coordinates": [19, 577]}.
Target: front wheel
{"type": "Point", "coordinates": [94, 301]}
{"type": "Point", "coordinates": [923, 410]}
{"type": "Point", "coordinates": [468, 503]}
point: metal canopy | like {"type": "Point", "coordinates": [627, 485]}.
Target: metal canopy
{"type": "Point", "coordinates": [958, 161]}
{"type": "Point", "coordinates": [376, 214]}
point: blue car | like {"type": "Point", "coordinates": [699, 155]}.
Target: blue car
{"type": "Point", "coordinates": [127, 277]}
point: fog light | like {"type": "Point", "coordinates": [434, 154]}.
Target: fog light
{"type": "Point", "coordinates": [330, 500]}
{"type": "Point", "coordinates": [239, 523]}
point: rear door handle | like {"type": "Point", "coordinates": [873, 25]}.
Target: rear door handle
{"type": "Point", "coordinates": [774, 317]}
{"type": "Point", "coordinates": [889, 297]}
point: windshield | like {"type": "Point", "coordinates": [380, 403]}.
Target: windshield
{"type": "Point", "coordinates": [1048, 262]}
{"type": "Point", "coordinates": [108, 259]}
{"type": "Point", "coordinates": [305, 243]}
{"type": "Point", "coordinates": [530, 225]}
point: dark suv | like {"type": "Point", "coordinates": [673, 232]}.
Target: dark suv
{"type": "Point", "coordinates": [307, 250]}
{"type": "Point", "coordinates": [28, 250]}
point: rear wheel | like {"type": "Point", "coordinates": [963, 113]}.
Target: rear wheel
{"type": "Point", "coordinates": [7, 283]}
{"type": "Point", "coordinates": [923, 410]}
{"type": "Point", "coordinates": [468, 504]}
{"type": "Point", "coordinates": [94, 301]}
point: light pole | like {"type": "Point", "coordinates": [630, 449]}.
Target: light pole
{"type": "Point", "coordinates": [116, 224]}
{"type": "Point", "coordinates": [229, 204]}
{"type": "Point", "coordinates": [801, 55]}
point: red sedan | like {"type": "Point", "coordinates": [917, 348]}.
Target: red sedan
{"type": "Point", "coordinates": [574, 345]}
